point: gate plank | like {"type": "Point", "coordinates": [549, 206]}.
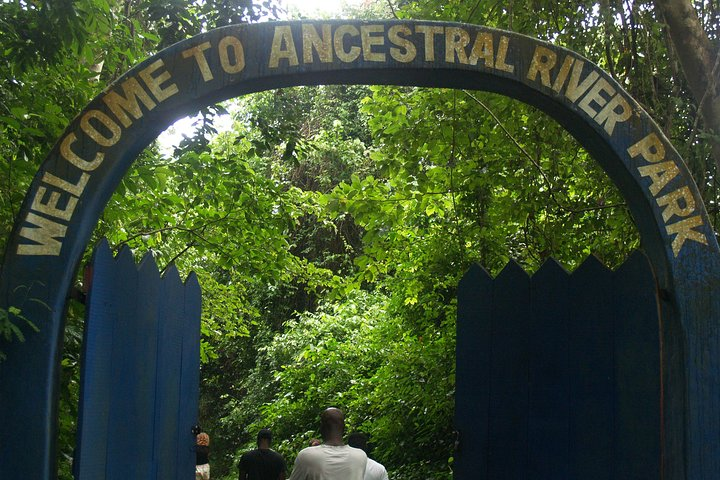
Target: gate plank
{"type": "Point", "coordinates": [472, 374]}
{"type": "Point", "coordinates": [591, 372]}
{"type": "Point", "coordinates": [637, 352]}
{"type": "Point", "coordinates": [123, 410]}
{"type": "Point", "coordinates": [167, 396]}
{"type": "Point", "coordinates": [508, 408]}
{"type": "Point", "coordinates": [549, 375]}
{"type": "Point", "coordinates": [189, 295]}
{"type": "Point", "coordinates": [96, 381]}
{"type": "Point", "coordinates": [144, 365]}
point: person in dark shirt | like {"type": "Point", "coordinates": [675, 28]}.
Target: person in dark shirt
{"type": "Point", "coordinates": [262, 463]}
{"type": "Point", "coordinates": [202, 456]}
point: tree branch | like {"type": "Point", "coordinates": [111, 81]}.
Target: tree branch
{"type": "Point", "coordinates": [456, 219]}
{"type": "Point", "coordinates": [710, 88]}
{"type": "Point", "coordinates": [168, 229]}
{"type": "Point", "coordinates": [599, 207]}
{"type": "Point", "coordinates": [472, 12]}
{"type": "Point", "coordinates": [392, 9]}
{"type": "Point", "coordinates": [172, 260]}
{"type": "Point", "coordinates": [695, 54]}
{"type": "Point", "coordinates": [546, 180]}
{"type": "Point", "coordinates": [117, 247]}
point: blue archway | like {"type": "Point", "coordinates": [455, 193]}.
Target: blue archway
{"type": "Point", "coordinates": [79, 175]}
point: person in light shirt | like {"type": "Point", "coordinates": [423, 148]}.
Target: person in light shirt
{"type": "Point", "coordinates": [373, 470]}
{"type": "Point", "coordinates": [331, 460]}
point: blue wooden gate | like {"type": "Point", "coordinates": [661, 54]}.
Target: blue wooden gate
{"type": "Point", "coordinates": [140, 373]}
{"type": "Point", "coordinates": [558, 376]}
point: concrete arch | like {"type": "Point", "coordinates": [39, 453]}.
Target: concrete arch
{"type": "Point", "coordinates": [79, 175]}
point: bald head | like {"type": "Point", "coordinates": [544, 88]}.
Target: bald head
{"type": "Point", "coordinates": [332, 416]}
{"type": "Point", "coordinates": [332, 425]}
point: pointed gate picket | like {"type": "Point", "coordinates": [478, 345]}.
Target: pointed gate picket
{"type": "Point", "coordinates": [140, 373]}
{"type": "Point", "coordinates": [558, 376]}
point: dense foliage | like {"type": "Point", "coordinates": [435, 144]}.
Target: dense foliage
{"type": "Point", "coordinates": [329, 226]}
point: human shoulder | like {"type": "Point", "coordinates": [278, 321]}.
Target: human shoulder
{"type": "Point", "coordinates": [357, 452]}
{"type": "Point", "coordinates": [310, 452]}
{"type": "Point", "coordinates": [357, 458]}
{"type": "Point", "coordinates": [307, 460]}
{"type": "Point", "coordinates": [247, 455]}
{"type": "Point", "coordinates": [375, 470]}
{"type": "Point", "coordinates": [275, 454]}
{"type": "Point", "coordinates": [375, 465]}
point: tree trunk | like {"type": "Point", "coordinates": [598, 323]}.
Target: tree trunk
{"type": "Point", "coordinates": [699, 63]}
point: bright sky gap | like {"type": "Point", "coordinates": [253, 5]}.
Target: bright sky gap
{"type": "Point", "coordinates": [182, 128]}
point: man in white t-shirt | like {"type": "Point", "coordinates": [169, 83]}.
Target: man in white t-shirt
{"type": "Point", "coordinates": [373, 470]}
{"type": "Point", "coordinates": [332, 460]}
